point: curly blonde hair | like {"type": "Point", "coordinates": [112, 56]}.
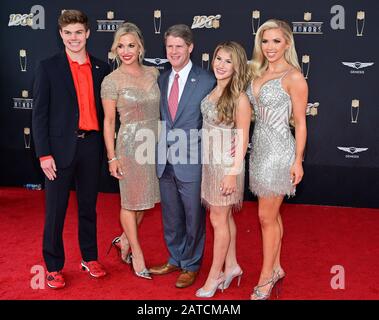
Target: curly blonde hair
{"type": "Point", "coordinates": [227, 103]}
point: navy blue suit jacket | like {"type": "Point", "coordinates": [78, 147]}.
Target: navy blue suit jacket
{"type": "Point", "coordinates": [176, 134]}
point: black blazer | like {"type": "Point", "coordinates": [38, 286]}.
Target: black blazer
{"type": "Point", "coordinates": [55, 116]}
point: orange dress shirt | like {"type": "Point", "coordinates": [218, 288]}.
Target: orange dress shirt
{"type": "Point", "coordinates": [83, 82]}
{"type": "Point", "coordinates": [82, 76]}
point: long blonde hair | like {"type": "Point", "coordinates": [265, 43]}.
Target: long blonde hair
{"type": "Point", "coordinates": [259, 63]}
{"type": "Point", "coordinates": [128, 28]}
{"type": "Point", "coordinates": [227, 103]}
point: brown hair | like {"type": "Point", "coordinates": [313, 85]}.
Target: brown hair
{"type": "Point", "coordinates": [227, 103]}
{"type": "Point", "coordinates": [180, 31]}
{"type": "Point", "coordinates": [72, 16]}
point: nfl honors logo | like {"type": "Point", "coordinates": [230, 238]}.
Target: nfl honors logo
{"type": "Point", "coordinates": [23, 103]}
{"type": "Point", "coordinates": [109, 25]}
{"type": "Point", "coordinates": [307, 26]}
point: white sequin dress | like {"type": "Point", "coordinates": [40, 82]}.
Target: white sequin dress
{"type": "Point", "coordinates": [273, 145]}
{"type": "Point", "coordinates": [217, 160]}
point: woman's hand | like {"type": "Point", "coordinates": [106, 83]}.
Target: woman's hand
{"type": "Point", "coordinates": [228, 185]}
{"type": "Point", "coordinates": [296, 173]}
{"type": "Point", "coordinates": [115, 169]}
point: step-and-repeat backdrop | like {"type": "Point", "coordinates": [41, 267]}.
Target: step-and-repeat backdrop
{"type": "Point", "coordinates": [337, 45]}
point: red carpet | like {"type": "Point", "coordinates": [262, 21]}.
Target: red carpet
{"type": "Point", "coordinates": [316, 238]}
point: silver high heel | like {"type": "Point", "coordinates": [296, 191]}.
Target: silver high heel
{"type": "Point", "coordinates": [259, 295]}
{"type": "Point", "coordinates": [280, 273]}
{"type": "Point", "coordinates": [117, 243]}
{"type": "Point", "coordinates": [128, 258]}
{"type": "Point", "coordinates": [145, 274]}
{"type": "Point", "coordinates": [201, 293]}
{"type": "Point", "coordinates": [236, 273]}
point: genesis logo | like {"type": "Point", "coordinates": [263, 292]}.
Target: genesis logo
{"type": "Point", "coordinates": [157, 61]}
{"type": "Point", "coordinates": [356, 66]}
{"type": "Point", "coordinates": [352, 151]}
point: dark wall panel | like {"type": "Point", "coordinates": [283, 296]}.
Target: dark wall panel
{"type": "Point", "coordinates": [342, 154]}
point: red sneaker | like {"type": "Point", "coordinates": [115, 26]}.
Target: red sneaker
{"type": "Point", "coordinates": [55, 279]}
{"type": "Point", "coordinates": [94, 268]}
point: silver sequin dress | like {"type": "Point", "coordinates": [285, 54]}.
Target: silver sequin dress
{"type": "Point", "coordinates": [216, 159]}
{"type": "Point", "coordinates": [273, 145]}
{"type": "Point", "coordinates": [138, 108]}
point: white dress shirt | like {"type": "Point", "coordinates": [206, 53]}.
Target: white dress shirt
{"type": "Point", "coordinates": [183, 75]}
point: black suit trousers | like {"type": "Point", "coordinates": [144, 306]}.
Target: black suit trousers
{"type": "Point", "coordinates": [85, 170]}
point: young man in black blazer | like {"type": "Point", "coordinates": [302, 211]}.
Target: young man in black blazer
{"type": "Point", "coordinates": [67, 123]}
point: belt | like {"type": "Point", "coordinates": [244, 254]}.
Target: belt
{"type": "Point", "coordinates": [83, 133]}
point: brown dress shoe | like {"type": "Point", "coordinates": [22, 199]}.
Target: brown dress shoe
{"type": "Point", "coordinates": [163, 269]}
{"type": "Point", "coordinates": [186, 278]}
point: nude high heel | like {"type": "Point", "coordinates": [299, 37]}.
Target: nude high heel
{"type": "Point", "coordinates": [201, 293]}
{"type": "Point", "coordinates": [236, 273]}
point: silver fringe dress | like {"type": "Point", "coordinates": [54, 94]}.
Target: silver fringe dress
{"type": "Point", "coordinates": [273, 145]}
{"type": "Point", "coordinates": [217, 160]}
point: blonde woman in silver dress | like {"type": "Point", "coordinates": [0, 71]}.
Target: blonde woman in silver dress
{"type": "Point", "coordinates": [226, 120]}
{"type": "Point", "coordinates": [277, 91]}
{"type": "Point", "coordinates": [132, 90]}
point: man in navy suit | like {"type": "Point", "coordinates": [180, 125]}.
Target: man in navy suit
{"type": "Point", "coordinates": [179, 157]}
{"type": "Point", "coordinates": [67, 122]}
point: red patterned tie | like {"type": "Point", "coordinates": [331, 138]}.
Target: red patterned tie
{"type": "Point", "coordinates": [174, 97]}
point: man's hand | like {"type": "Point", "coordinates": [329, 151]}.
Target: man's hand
{"type": "Point", "coordinates": [49, 168]}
